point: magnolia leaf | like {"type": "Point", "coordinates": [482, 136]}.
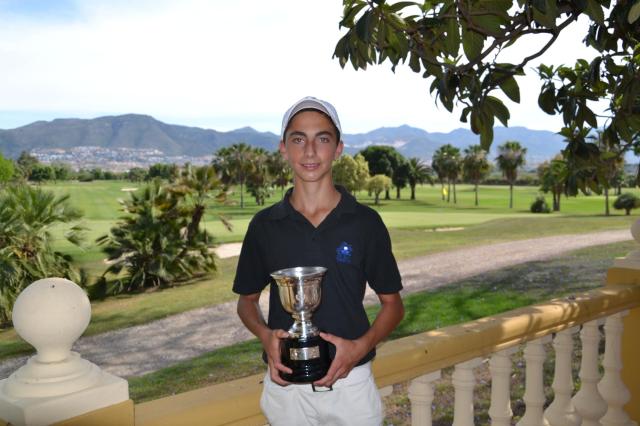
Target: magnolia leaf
{"type": "Point", "coordinates": [547, 100]}
{"type": "Point", "coordinates": [511, 89]}
{"type": "Point", "coordinates": [594, 11]}
{"type": "Point", "coordinates": [476, 123]}
{"type": "Point", "coordinates": [472, 43]}
{"type": "Point", "coordinates": [486, 136]}
{"type": "Point", "coordinates": [414, 62]}
{"type": "Point", "coordinates": [351, 12]}
{"type": "Point", "coordinates": [363, 27]}
{"type": "Point", "coordinates": [490, 24]}
{"type": "Point", "coordinates": [402, 4]}
{"type": "Point", "coordinates": [452, 38]}
{"type": "Point", "coordinates": [634, 12]}
{"type": "Point", "coordinates": [498, 109]}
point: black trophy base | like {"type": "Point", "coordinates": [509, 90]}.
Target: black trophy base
{"type": "Point", "coordinates": [309, 359]}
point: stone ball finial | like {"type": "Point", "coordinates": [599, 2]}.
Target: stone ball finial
{"type": "Point", "coordinates": [51, 314]}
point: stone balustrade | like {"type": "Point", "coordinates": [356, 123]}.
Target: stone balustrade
{"type": "Point", "coordinates": [57, 386]}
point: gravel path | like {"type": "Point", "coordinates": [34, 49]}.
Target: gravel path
{"type": "Point", "coordinates": [142, 349]}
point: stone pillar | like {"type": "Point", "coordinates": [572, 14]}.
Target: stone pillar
{"type": "Point", "coordinates": [56, 384]}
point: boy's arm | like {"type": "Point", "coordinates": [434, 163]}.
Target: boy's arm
{"type": "Point", "coordinates": [251, 316]}
{"type": "Point", "coordinates": [349, 352]}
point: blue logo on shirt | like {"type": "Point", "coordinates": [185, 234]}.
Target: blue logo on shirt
{"type": "Point", "coordinates": [344, 252]}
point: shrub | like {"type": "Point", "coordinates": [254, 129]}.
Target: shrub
{"type": "Point", "coordinates": [626, 202]}
{"type": "Point", "coordinates": [28, 217]}
{"type": "Point", "coordinates": [540, 205]}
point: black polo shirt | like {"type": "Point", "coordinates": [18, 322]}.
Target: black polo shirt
{"type": "Point", "coordinates": [352, 243]}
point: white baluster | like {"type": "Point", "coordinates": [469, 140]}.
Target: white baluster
{"type": "Point", "coordinates": [463, 382]}
{"type": "Point", "coordinates": [611, 386]}
{"type": "Point", "coordinates": [588, 402]}
{"type": "Point", "coordinates": [500, 367]}
{"type": "Point", "coordinates": [421, 397]}
{"type": "Point", "coordinates": [561, 412]}
{"type": "Point", "coordinates": [534, 355]}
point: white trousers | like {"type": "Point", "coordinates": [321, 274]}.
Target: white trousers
{"type": "Point", "coordinates": [354, 401]}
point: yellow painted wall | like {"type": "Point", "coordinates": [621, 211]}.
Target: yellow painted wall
{"type": "Point", "coordinates": [630, 347]}
{"type": "Point", "coordinates": [115, 415]}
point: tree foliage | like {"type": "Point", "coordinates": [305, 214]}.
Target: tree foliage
{"type": "Point", "coordinates": [511, 156]}
{"type": "Point", "coordinates": [159, 242]}
{"type": "Point", "coordinates": [27, 218]}
{"type": "Point", "coordinates": [7, 170]}
{"type": "Point", "coordinates": [626, 202]}
{"type": "Point", "coordinates": [448, 164]}
{"type": "Point", "coordinates": [235, 164]}
{"type": "Point", "coordinates": [418, 173]}
{"type": "Point", "coordinates": [382, 160]}
{"type": "Point", "coordinates": [26, 163]}
{"type": "Point", "coordinates": [259, 180]}
{"type": "Point", "coordinates": [378, 183]}
{"type": "Point", "coordinates": [351, 172]}
{"type": "Point", "coordinates": [462, 46]}
{"type": "Point", "coordinates": [554, 177]}
{"type": "Point", "coordinates": [475, 166]}
{"type": "Point", "coordinates": [279, 171]}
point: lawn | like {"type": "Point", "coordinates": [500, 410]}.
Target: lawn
{"type": "Point", "coordinates": [411, 225]}
{"type": "Point", "coordinates": [483, 295]}
{"type": "Point", "coordinates": [99, 201]}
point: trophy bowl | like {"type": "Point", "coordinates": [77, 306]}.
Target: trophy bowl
{"type": "Point", "coordinates": [304, 351]}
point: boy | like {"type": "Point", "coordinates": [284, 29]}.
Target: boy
{"type": "Point", "coordinates": [319, 224]}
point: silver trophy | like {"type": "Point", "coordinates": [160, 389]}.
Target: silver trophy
{"type": "Point", "coordinates": [304, 351]}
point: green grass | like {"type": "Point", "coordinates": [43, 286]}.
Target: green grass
{"type": "Point", "coordinates": [477, 297]}
{"type": "Point", "coordinates": [99, 202]}
{"type": "Point", "coordinates": [411, 226]}
{"type": "Point", "coordinates": [417, 241]}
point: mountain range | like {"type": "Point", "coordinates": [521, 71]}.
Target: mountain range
{"type": "Point", "coordinates": [143, 131]}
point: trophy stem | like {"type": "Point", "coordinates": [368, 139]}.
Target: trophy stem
{"type": "Point", "coordinates": [302, 327]}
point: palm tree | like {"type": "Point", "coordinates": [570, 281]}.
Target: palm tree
{"type": "Point", "coordinates": [259, 179]}
{"type": "Point", "coordinates": [27, 218]}
{"type": "Point", "coordinates": [448, 163]}
{"type": "Point", "coordinates": [235, 163]}
{"type": "Point", "coordinates": [279, 171]}
{"type": "Point", "coordinates": [475, 166]}
{"type": "Point", "coordinates": [609, 164]}
{"type": "Point", "coordinates": [554, 177]}
{"type": "Point", "coordinates": [511, 157]}
{"type": "Point", "coordinates": [419, 173]}
{"type": "Point", "coordinates": [437, 164]}
{"type": "Point", "coordinates": [151, 242]}
{"type": "Point", "coordinates": [196, 184]}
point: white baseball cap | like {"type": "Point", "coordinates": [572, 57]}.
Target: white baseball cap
{"type": "Point", "coordinates": [309, 102]}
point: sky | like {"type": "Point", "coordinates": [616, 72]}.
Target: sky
{"type": "Point", "coordinates": [216, 64]}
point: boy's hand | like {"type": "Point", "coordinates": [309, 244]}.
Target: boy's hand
{"type": "Point", "coordinates": [348, 353]}
{"type": "Point", "coordinates": [271, 344]}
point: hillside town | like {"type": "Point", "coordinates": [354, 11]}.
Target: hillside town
{"type": "Point", "coordinates": [112, 159]}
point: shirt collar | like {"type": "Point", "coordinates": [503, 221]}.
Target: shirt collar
{"type": "Point", "coordinates": [284, 208]}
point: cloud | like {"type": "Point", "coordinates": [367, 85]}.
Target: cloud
{"type": "Point", "coordinates": [219, 64]}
